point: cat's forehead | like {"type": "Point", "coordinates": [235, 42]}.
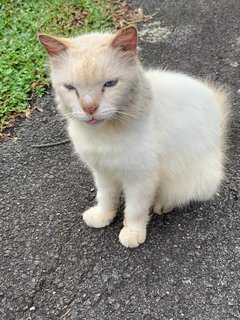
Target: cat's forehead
{"type": "Point", "coordinates": [91, 59]}
{"type": "Point", "coordinates": [92, 41]}
{"type": "Point", "coordinates": [86, 70]}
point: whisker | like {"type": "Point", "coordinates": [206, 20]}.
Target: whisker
{"type": "Point", "coordinates": [109, 110]}
{"type": "Point", "coordinates": [115, 117]}
{"type": "Point", "coordinates": [127, 114]}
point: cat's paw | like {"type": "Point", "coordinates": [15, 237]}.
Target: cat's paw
{"type": "Point", "coordinates": [96, 219]}
{"type": "Point", "coordinates": [132, 238]}
{"type": "Point", "coordinates": [159, 209]}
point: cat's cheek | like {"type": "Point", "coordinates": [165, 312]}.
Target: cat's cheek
{"type": "Point", "coordinates": [109, 103]}
{"type": "Point", "coordinates": [69, 99]}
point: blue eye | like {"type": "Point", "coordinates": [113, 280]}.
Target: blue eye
{"type": "Point", "coordinates": [110, 83]}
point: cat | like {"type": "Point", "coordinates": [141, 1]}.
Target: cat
{"type": "Point", "coordinates": [157, 136]}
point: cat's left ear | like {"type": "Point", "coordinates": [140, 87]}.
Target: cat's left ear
{"type": "Point", "coordinates": [126, 40]}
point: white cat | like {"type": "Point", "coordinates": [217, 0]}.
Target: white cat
{"type": "Point", "coordinates": [156, 135]}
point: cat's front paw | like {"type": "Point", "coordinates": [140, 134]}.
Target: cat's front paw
{"type": "Point", "coordinates": [132, 238]}
{"type": "Point", "coordinates": [93, 217]}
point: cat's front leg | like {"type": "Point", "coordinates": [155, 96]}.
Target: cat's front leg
{"type": "Point", "coordinates": [108, 195]}
{"type": "Point", "coordinates": [139, 198]}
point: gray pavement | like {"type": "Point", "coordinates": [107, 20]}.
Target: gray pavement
{"type": "Point", "coordinates": [54, 267]}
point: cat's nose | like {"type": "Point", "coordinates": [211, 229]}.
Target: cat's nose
{"type": "Point", "coordinates": [90, 108]}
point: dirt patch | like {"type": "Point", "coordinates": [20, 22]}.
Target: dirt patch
{"type": "Point", "coordinates": [154, 32]}
{"type": "Point", "coordinates": [125, 15]}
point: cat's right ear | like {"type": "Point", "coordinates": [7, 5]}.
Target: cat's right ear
{"type": "Point", "coordinates": [53, 45]}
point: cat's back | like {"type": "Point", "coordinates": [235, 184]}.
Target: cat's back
{"type": "Point", "coordinates": [179, 87]}
{"type": "Point", "coordinates": [186, 109]}
{"type": "Point", "coordinates": [180, 95]}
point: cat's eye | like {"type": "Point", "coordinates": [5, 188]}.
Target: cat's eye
{"type": "Point", "coordinates": [69, 86]}
{"type": "Point", "coordinates": [110, 83]}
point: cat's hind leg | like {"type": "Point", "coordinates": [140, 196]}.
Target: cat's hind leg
{"type": "Point", "coordinates": [198, 182]}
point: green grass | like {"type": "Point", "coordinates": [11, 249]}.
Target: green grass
{"type": "Point", "coordinates": [23, 59]}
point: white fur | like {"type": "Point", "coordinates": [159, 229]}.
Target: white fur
{"type": "Point", "coordinates": [88, 99]}
{"type": "Point", "coordinates": [175, 151]}
{"type": "Point", "coordinates": [165, 151]}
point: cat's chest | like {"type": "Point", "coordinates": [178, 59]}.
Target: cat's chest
{"type": "Point", "coordinates": [108, 151]}
{"type": "Point", "coordinates": [105, 150]}
{"type": "Point", "coordinates": [121, 153]}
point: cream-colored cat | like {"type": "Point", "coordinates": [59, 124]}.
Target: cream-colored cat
{"type": "Point", "coordinates": [156, 135]}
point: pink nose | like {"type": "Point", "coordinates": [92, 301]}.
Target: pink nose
{"type": "Point", "coordinates": [90, 109]}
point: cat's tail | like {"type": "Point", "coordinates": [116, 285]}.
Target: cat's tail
{"type": "Point", "coordinates": [223, 97]}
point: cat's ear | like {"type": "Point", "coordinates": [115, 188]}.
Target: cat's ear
{"type": "Point", "coordinates": [126, 39]}
{"type": "Point", "coordinates": [53, 45]}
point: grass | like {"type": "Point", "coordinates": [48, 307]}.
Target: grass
{"type": "Point", "coordinates": [23, 59]}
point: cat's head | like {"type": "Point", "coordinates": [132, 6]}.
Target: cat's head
{"type": "Point", "coordinates": [94, 74]}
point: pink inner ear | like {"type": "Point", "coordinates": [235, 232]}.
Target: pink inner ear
{"type": "Point", "coordinates": [126, 39]}
{"type": "Point", "coordinates": [52, 45]}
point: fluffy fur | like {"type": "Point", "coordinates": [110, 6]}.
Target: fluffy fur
{"type": "Point", "coordinates": [156, 135]}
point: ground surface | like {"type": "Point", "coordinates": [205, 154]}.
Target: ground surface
{"type": "Point", "coordinates": [54, 267]}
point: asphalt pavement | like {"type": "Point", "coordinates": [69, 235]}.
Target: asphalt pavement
{"type": "Point", "coordinates": [54, 267]}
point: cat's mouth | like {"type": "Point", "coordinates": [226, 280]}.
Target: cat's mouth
{"type": "Point", "coordinates": [94, 121]}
